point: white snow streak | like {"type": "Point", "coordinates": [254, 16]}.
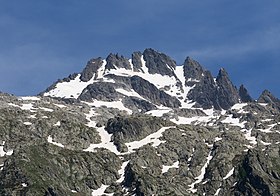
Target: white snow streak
{"type": "Point", "coordinates": [131, 93]}
{"type": "Point", "coordinates": [201, 176]}
{"type": "Point", "coordinates": [104, 135]}
{"type": "Point", "coordinates": [31, 98]}
{"type": "Point", "coordinates": [158, 112]}
{"type": "Point", "coordinates": [100, 191]}
{"type": "Point", "coordinates": [113, 104]}
{"type": "Point", "coordinates": [230, 173]}
{"type": "Point", "coordinates": [50, 140]}
{"type": "Point", "coordinates": [217, 192]}
{"type": "Point", "coordinates": [46, 109]}
{"type": "Point", "coordinates": [165, 168]}
{"type": "Point", "coordinates": [57, 124]}
{"type": "Point", "coordinates": [3, 153]}
{"type": "Point", "coordinates": [233, 121]}
{"type": "Point", "coordinates": [27, 123]}
{"type": "Point", "coordinates": [248, 136]}
{"type": "Point", "coordinates": [152, 138]}
{"type": "Point", "coordinates": [122, 172]}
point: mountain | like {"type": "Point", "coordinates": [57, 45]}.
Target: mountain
{"type": "Point", "coordinates": [140, 126]}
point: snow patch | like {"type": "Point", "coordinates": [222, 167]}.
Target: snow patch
{"type": "Point", "coordinates": [46, 109]}
{"type": "Point", "coordinates": [27, 123]}
{"type": "Point", "coordinates": [268, 130]}
{"type": "Point", "coordinates": [158, 112]}
{"type": "Point", "coordinates": [248, 136]}
{"type": "Point", "coordinates": [217, 139]}
{"type": "Point", "coordinates": [217, 192]}
{"type": "Point", "coordinates": [230, 173]}
{"type": "Point", "coordinates": [233, 121]}
{"type": "Point", "coordinates": [104, 135]}
{"type": "Point", "coordinates": [265, 143]}
{"type": "Point", "coordinates": [60, 105]}
{"type": "Point", "coordinates": [113, 104]}
{"type": "Point", "coordinates": [100, 191]}
{"type": "Point", "coordinates": [201, 176]}
{"type": "Point", "coordinates": [57, 124]}
{"type": "Point", "coordinates": [165, 168]}
{"type": "Point", "coordinates": [3, 153]}
{"type": "Point", "coordinates": [71, 89]}
{"type": "Point", "coordinates": [50, 140]}
{"type": "Point", "coordinates": [131, 93]}
{"type": "Point", "coordinates": [24, 185]}
{"type": "Point", "coordinates": [122, 172]}
{"type": "Point", "coordinates": [238, 106]}
{"type": "Point", "coordinates": [152, 138]}
{"type": "Point", "coordinates": [31, 98]}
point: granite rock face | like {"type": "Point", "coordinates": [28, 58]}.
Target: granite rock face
{"type": "Point", "coordinates": [91, 69]}
{"type": "Point", "coordinates": [115, 61]}
{"type": "Point", "coordinates": [149, 91]}
{"type": "Point", "coordinates": [267, 97]}
{"type": "Point", "coordinates": [193, 71]}
{"type": "Point", "coordinates": [244, 94]}
{"type": "Point", "coordinates": [208, 92]}
{"type": "Point", "coordinates": [227, 94]}
{"type": "Point", "coordinates": [159, 63]}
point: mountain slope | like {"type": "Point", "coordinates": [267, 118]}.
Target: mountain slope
{"type": "Point", "coordinates": [140, 126]}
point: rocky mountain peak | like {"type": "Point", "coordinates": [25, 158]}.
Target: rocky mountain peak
{"type": "Point", "coordinates": [223, 75]}
{"type": "Point", "coordinates": [116, 61]}
{"type": "Point", "coordinates": [193, 70]}
{"type": "Point", "coordinates": [158, 63]}
{"type": "Point", "coordinates": [227, 93]}
{"type": "Point", "coordinates": [137, 61]}
{"type": "Point", "coordinates": [269, 98]}
{"type": "Point", "coordinates": [91, 69]}
{"type": "Point", "coordinates": [244, 94]}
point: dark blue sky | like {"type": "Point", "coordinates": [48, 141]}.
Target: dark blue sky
{"type": "Point", "coordinates": [41, 41]}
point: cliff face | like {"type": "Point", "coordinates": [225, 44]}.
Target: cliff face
{"type": "Point", "coordinates": [140, 126]}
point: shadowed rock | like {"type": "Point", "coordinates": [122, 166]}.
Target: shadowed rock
{"type": "Point", "coordinates": [244, 95]}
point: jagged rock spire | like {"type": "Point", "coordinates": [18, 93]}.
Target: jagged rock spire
{"type": "Point", "coordinates": [91, 68]}
{"type": "Point", "coordinates": [244, 94]}
{"type": "Point", "coordinates": [158, 62]}
{"type": "Point", "coordinates": [192, 69]}
{"type": "Point", "coordinates": [227, 93]}
{"type": "Point", "coordinates": [268, 97]}
{"type": "Point", "coordinates": [114, 60]}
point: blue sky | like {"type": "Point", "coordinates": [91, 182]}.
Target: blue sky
{"type": "Point", "coordinates": [41, 41]}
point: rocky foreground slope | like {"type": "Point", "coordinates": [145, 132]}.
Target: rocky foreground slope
{"type": "Point", "coordinates": [140, 126]}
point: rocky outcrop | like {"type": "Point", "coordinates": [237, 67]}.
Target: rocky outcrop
{"type": "Point", "coordinates": [219, 93]}
{"type": "Point", "coordinates": [258, 174]}
{"type": "Point", "coordinates": [91, 69]}
{"type": "Point", "coordinates": [267, 97]}
{"type": "Point", "coordinates": [152, 93]}
{"type": "Point", "coordinates": [205, 92]}
{"type": "Point", "coordinates": [138, 105]}
{"type": "Point", "coordinates": [244, 95]}
{"type": "Point", "coordinates": [137, 62]}
{"type": "Point", "coordinates": [115, 61]}
{"type": "Point", "coordinates": [227, 93]}
{"type": "Point", "coordinates": [50, 170]}
{"type": "Point", "coordinates": [104, 91]}
{"type": "Point", "coordinates": [193, 71]}
{"type": "Point", "coordinates": [159, 63]}
{"type": "Point", "coordinates": [128, 129]}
